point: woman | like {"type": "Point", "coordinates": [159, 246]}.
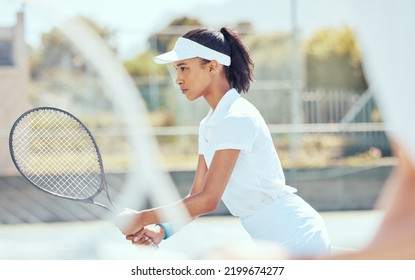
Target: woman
{"type": "Point", "coordinates": [237, 159]}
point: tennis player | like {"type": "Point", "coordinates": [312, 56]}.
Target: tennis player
{"type": "Point", "coordinates": [237, 161]}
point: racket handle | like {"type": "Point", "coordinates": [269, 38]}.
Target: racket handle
{"type": "Point", "coordinates": [153, 245]}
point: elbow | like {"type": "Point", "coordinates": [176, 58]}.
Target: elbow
{"type": "Point", "coordinates": [201, 203]}
{"type": "Point", "coordinates": [205, 206]}
{"type": "Point", "coordinates": [211, 206]}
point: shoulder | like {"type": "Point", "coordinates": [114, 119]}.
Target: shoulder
{"type": "Point", "coordinates": [241, 117]}
{"type": "Point", "coordinates": [242, 110]}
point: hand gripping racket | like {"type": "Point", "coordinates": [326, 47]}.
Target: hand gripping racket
{"type": "Point", "coordinates": [57, 154]}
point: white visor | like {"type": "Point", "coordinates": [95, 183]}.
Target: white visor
{"type": "Point", "coordinates": [186, 49]}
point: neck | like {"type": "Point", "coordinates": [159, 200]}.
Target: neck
{"type": "Point", "coordinates": [216, 95]}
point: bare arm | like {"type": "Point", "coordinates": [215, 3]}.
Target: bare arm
{"type": "Point", "coordinates": [200, 175]}
{"type": "Point", "coordinates": [208, 187]}
{"type": "Point", "coordinates": [210, 184]}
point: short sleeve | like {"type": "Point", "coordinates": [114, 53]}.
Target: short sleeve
{"type": "Point", "coordinates": [235, 133]}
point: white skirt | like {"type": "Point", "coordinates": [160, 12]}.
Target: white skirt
{"type": "Point", "coordinates": [292, 223]}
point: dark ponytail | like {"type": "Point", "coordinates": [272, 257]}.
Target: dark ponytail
{"type": "Point", "coordinates": [240, 71]}
{"type": "Point", "coordinates": [227, 41]}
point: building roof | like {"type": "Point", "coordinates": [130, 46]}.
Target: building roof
{"type": "Point", "coordinates": [20, 202]}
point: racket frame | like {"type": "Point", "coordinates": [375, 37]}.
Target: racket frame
{"type": "Point", "coordinates": [103, 186]}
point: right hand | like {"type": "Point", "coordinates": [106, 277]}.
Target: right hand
{"type": "Point", "coordinates": [128, 221]}
{"type": "Point", "coordinates": [152, 234]}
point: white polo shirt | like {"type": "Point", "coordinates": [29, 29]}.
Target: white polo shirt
{"type": "Point", "coordinates": [258, 178]}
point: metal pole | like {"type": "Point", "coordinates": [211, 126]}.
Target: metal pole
{"type": "Point", "coordinates": [295, 78]}
{"type": "Point", "coordinates": [296, 103]}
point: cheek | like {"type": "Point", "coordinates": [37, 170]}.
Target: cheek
{"type": "Point", "coordinates": [203, 80]}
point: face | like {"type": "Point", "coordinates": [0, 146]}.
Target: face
{"type": "Point", "coordinates": [193, 77]}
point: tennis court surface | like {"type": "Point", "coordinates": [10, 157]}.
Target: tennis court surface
{"type": "Point", "coordinates": [349, 230]}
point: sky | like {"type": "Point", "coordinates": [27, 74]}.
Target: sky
{"type": "Point", "coordinates": [133, 20]}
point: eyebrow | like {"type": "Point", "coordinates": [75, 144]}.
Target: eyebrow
{"type": "Point", "coordinates": [180, 64]}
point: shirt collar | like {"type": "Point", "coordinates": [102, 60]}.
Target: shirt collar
{"type": "Point", "coordinates": [218, 114]}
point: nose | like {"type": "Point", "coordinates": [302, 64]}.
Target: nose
{"type": "Point", "coordinates": [179, 80]}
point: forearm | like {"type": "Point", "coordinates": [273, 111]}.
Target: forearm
{"type": "Point", "coordinates": [200, 204]}
{"type": "Point", "coordinates": [196, 205]}
{"type": "Point", "coordinates": [208, 186]}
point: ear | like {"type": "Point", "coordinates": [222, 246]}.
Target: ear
{"type": "Point", "coordinates": [213, 66]}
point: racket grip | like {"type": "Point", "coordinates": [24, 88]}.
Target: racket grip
{"type": "Point", "coordinates": [151, 244]}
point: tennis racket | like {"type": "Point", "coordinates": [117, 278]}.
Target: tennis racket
{"type": "Point", "coordinates": [57, 154]}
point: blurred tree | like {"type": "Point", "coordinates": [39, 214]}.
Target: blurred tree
{"type": "Point", "coordinates": [56, 52]}
{"type": "Point", "coordinates": [139, 66]}
{"type": "Point", "coordinates": [159, 42]}
{"type": "Point", "coordinates": [333, 60]}
{"type": "Point", "coordinates": [271, 53]}
{"type": "Point", "coordinates": [62, 75]}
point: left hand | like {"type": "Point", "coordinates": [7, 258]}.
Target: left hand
{"type": "Point", "coordinates": [128, 221]}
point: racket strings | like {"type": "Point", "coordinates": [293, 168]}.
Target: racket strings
{"type": "Point", "coordinates": [56, 152]}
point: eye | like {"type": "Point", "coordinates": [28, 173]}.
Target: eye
{"type": "Point", "coordinates": [182, 68]}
